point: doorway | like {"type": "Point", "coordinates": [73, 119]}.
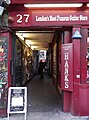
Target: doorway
{"type": "Point", "coordinates": [42, 95]}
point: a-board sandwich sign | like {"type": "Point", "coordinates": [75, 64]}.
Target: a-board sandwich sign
{"type": "Point", "coordinates": [17, 100]}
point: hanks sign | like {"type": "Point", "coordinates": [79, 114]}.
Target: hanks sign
{"type": "Point", "coordinates": [66, 70]}
{"type": "Point", "coordinates": [67, 67]}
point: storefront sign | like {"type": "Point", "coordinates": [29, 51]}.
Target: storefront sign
{"type": "Point", "coordinates": [62, 18]}
{"type": "Point", "coordinates": [67, 67]}
{"type": "Point", "coordinates": [23, 18]}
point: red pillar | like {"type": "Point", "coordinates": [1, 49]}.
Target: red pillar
{"type": "Point", "coordinates": [76, 78]}
{"type": "Point", "coordinates": [66, 101]}
{"type": "Point", "coordinates": [80, 94]}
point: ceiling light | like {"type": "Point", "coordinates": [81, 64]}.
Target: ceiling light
{"type": "Point", "coordinates": [29, 42]}
{"type": "Point", "coordinates": [33, 47]}
{"type": "Point", "coordinates": [52, 5]}
{"type": "Point", "coordinates": [88, 5]}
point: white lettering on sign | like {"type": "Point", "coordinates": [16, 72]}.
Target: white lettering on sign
{"type": "Point", "coordinates": [62, 18]}
{"type": "Point", "coordinates": [42, 18]}
{"type": "Point", "coordinates": [24, 17]}
{"type": "Point", "coordinates": [66, 70]}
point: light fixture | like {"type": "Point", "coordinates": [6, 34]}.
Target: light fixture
{"type": "Point", "coordinates": [53, 5]}
{"type": "Point", "coordinates": [87, 39]}
{"type": "Point", "coordinates": [20, 35]}
{"type": "Point", "coordinates": [87, 4]}
{"type": "Point", "coordinates": [29, 42]}
{"type": "Point", "coordinates": [33, 47]}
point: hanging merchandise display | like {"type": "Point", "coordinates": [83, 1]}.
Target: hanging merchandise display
{"type": "Point", "coordinates": [27, 64]}
{"type": "Point", "coordinates": [1, 10]}
{"type": "Point", "coordinates": [3, 70]}
{"type": "Point", "coordinates": [4, 13]}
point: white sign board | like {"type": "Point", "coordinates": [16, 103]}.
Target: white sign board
{"type": "Point", "coordinates": [17, 100]}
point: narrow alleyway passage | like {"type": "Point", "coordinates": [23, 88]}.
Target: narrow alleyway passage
{"type": "Point", "coordinates": [42, 96]}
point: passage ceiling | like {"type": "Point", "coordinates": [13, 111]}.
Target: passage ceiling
{"type": "Point", "coordinates": [38, 40]}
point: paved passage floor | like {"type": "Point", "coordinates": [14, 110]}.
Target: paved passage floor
{"type": "Point", "coordinates": [44, 103]}
{"type": "Point", "coordinates": [42, 96]}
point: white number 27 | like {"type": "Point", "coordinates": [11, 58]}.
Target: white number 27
{"type": "Point", "coordinates": [20, 18]}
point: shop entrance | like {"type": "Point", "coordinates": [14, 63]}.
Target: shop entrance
{"type": "Point", "coordinates": [29, 47]}
{"type": "Point", "coordinates": [26, 47]}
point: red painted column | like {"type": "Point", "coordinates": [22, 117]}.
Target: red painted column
{"type": "Point", "coordinates": [76, 70]}
{"type": "Point", "coordinates": [66, 101]}
{"type": "Point", "coordinates": [84, 85]}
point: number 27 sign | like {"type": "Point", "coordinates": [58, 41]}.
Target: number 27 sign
{"type": "Point", "coordinates": [22, 18]}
